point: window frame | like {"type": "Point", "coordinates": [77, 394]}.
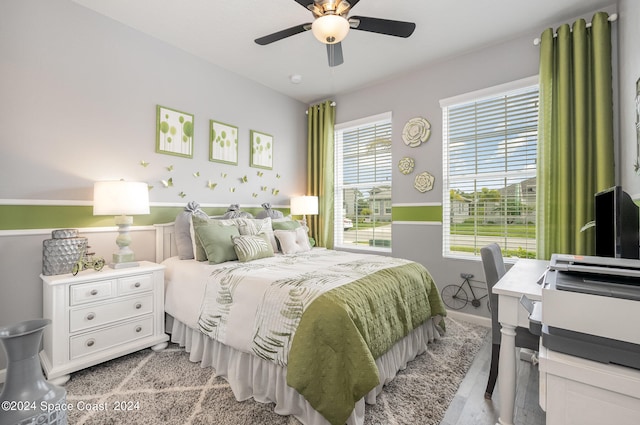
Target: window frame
{"type": "Point", "coordinates": [385, 117]}
{"type": "Point", "coordinates": [474, 96]}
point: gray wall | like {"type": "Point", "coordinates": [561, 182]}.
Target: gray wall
{"type": "Point", "coordinates": [418, 94]}
{"type": "Point", "coordinates": [79, 94]}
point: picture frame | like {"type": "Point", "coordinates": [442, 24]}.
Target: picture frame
{"type": "Point", "coordinates": [261, 150]}
{"type": "Point", "coordinates": [223, 142]}
{"type": "Point", "coordinates": [174, 132]}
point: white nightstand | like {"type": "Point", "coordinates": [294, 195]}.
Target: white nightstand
{"type": "Point", "coordinates": [100, 315]}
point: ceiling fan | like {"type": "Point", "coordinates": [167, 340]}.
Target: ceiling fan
{"type": "Point", "coordinates": [331, 26]}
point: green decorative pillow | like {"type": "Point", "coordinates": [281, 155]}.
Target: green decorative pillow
{"type": "Point", "coordinates": [252, 247]}
{"type": "Point", "coordinates": [285, 225]}
{"type": "Point", "coordinates": [215, 239]}
{"type": "Point", "coordinates": [198, 249]}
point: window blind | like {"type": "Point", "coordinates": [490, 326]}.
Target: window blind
{"type": "Point", "coordinates": [489, 163]}
{"type": "Point", "coordinates": [363, 183]}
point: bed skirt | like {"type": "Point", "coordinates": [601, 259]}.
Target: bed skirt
{"type": "Point", "coordinates": [266, 382]}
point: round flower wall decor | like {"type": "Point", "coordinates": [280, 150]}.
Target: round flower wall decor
{"type": "Point", "coordinates": [416, 131]}
{"type": "Point", "coordinates": [406, 165]}
{"type": "Point", "coordinates": [424, 182]}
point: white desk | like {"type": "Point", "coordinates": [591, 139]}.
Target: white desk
{"type": "Point", "coordinates": [520, 280]}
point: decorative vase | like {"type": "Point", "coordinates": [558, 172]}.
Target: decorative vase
{"type": "Point", "coordinates": [27, 398]}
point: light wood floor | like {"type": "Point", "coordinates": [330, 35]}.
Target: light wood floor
{"type": "Point", "coordinates": [470, 408]}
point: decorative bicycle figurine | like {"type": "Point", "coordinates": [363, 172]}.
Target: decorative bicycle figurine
{"type": "Point", "coordinates": [455, 296]}
{"type": "Point", "coordinates": [86, 261]}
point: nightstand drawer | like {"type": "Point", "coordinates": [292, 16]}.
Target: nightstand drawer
{"type": "Point", "coordinates": [95, 315]}
{"type": "Point", "coordinates": [134, 284]}
{"type": "Point", "coordinates": [89, 292]}
{"type": "Point", "coordinates": [92, 342]}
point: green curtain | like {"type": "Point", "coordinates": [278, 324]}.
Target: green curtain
{"type": "Point", "coordinates": [320, 170]}
{"type": "Point", "coordinates": [575, 134]}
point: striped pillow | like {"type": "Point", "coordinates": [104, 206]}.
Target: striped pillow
{"type": "Point", "coordinates": [252, 247]}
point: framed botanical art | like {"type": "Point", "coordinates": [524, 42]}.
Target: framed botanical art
{"type": "Point", "coordinates": [261, 150]}
{"type": "Point", "coordinates": [174, 132]}
{"type": "Point", "coordinates": [223, 143]}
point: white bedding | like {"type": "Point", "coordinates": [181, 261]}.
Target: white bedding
{"type": "Point", "coordinates": [318, 271]}
{"type": "Point", "coordinates": [185, 283]}
{"type": "Point", "coordinates": [186, 286]}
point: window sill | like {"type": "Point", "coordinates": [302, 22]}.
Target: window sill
{"type": "Point", "coordinates": [507, 260]}
{"type": "Point", "coordinates": [364, 249]}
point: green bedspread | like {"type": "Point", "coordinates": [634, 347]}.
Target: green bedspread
{"type": "Point", "coordinates": [332, 357]}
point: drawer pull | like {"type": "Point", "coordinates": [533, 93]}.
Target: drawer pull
{"type": "Point", "coordinates": [138, 306]}
{"type": "Point", "coordinates": [94, 292]}
{"type": "Point", "coordinates": [91, 316]}
{"type": "Point", "coordinates": [139, 329]}
{"type": "Point", "coordinates": [137, 284]}
{"type": "Point", "coordinates": [90, 342]}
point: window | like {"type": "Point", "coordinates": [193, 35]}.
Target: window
{"type": "Point", "coordinates": [363, 183]}
{"type": "Point", "coordinates": [489, 170]}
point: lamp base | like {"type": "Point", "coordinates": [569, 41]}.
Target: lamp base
{"type": "Point", "coordinates": [124, 257]}
{"type": "Point", "coordinates": [124, 265]}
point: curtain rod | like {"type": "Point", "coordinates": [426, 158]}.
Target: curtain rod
{"type": "Point", "coordinates": [612, 18]}
{"type": "Point", "coordinates": [332, 104]}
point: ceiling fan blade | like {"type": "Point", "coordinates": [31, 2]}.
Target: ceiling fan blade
{"type": "Point", "coordinates": [304, 3]}
{"type": "Point", "coordinates": [353, 3]}
{"type": "Point", "coordinates": [382, 26]}
{"type": "Point", "coordinates": [334, 53]}
{"type": "Point", "coordinates": [267, 39]}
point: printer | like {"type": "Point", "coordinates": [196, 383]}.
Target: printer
{"type": "Point", "coordinates": [591, 308]}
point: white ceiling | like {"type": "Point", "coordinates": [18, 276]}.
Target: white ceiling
{"type": "Point", "coordinates": [222, 32]}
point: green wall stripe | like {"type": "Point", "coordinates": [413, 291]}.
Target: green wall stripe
{"type": "Point", "coordinates": [417, 213]}
{"type": "Point", "coordinates": [18, 217]}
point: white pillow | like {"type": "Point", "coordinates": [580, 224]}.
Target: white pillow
{"type": "Point", "coordinates": [292, 241]}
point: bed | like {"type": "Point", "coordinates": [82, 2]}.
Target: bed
{"type": "Point", "coordinates": [316, 332]}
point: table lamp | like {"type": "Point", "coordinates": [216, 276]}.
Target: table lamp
{"type": "Point", "coordinates": [121, 199]}
{"type": "Point", "coordinates": [303, 205]}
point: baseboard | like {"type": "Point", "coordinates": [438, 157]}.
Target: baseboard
{"type": "Point", "coordinates": [3, 374]}
{"type": "Point", "coordinates": [471, 318]}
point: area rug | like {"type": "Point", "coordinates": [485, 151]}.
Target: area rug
{"type": "Point", "coordinates": [166, 388]}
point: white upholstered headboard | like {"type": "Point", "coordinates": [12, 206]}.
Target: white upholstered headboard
{"type": "Point", "coordinates": [165, 241]}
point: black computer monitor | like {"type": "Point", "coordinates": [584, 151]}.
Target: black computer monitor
{"type": "Point", "coordinates": [617, 224]}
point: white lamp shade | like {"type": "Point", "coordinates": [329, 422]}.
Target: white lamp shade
{"type": "Point", "coordinates": [120, 198]}
{"type": "Point", "coordinates": [303, 205]}
{"type": "Point", "coordinates": [330, 29]}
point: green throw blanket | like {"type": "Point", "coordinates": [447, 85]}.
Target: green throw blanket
{"type": "Point", "coordinates": [332, 358]}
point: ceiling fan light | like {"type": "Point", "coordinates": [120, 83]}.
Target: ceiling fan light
{"type": "Point", "coordinates": [330, 29]}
